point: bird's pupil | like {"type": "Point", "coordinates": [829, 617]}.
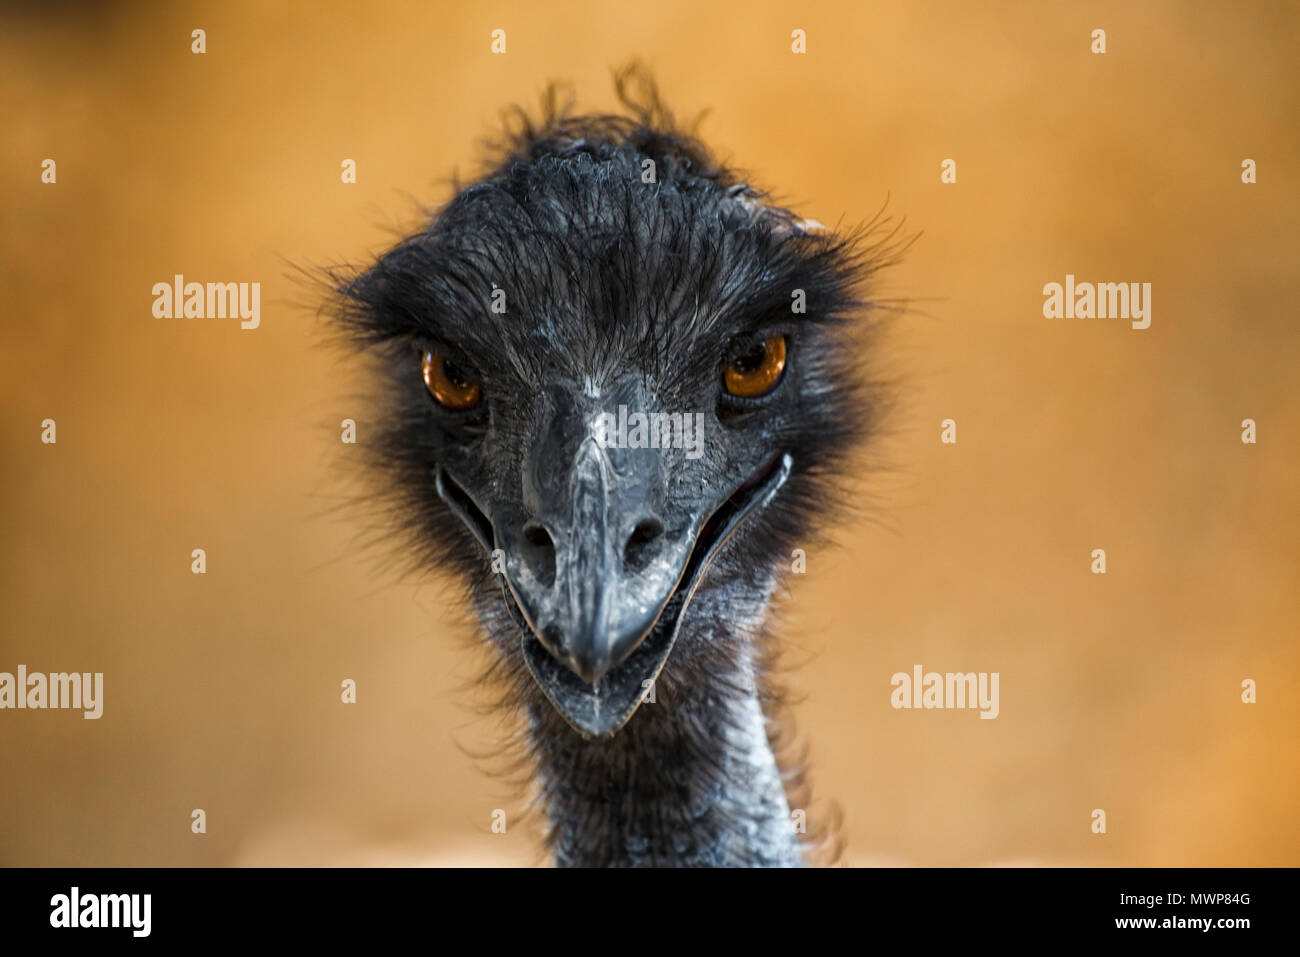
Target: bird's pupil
{"type": "Point", "coordinates": [453, 374]}
{"type": "Point", "coordinates": [752, 359]}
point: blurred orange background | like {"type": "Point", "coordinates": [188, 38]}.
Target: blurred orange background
{"type": "Point", "coordinates": [1119, 692]}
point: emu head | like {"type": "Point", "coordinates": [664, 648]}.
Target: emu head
{"type": "Point", "coordinates": [617, 381]}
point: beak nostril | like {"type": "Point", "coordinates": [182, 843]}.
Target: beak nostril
{"type": "Point", "coordinates": [538, 551]}
{"type": "Point", "coordinates": [637, 553]}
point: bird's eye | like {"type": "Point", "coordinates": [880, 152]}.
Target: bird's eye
{"type": "Point", "coordinates": [758, 370]}
{"type": "Point", "coordinates": [448, 385]}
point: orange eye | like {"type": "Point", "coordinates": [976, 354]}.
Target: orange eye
{"type": "Point", "coordinates": [448, 385]}
{"type": "Point", "coordinates": [756, 372]}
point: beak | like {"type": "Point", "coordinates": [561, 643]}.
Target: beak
{"type": "Point", "coordinates": [600, 576]}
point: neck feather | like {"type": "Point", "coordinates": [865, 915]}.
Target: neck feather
{"type": "Point", "coordinates": [691, 780]}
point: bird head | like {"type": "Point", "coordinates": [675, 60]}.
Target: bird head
{"type": "Point", "coordinates": [616, 378]}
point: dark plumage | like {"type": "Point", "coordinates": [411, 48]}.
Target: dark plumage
{"type": "Point", "coordinates": [622, 291]}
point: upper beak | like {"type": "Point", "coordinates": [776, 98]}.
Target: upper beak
{"type": "Point", "coordinates": [615, 567]}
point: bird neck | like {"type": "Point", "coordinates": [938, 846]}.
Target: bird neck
{"type": "Point", "coordinates": [690, 780]}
